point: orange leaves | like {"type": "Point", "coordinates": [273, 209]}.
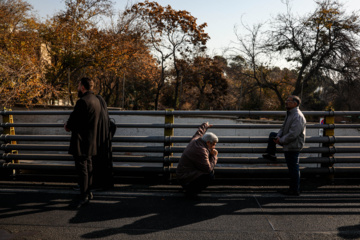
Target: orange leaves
{"type": "Point", "coordinates": [168, 20]}
{"type": "Point", "coordinates": [21, 65]}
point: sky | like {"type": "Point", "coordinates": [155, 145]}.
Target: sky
{"type": "Point", "coordinates": [220, 15]}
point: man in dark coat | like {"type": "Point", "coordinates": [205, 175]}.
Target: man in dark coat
{"type": "Point", "coordinates": [83, 124]}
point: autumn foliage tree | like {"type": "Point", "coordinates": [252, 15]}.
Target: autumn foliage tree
{"type": "Point", "coordinates": [204, 85]}
{"type": "Point", "coordinates": [21, 65]}
{"type": "Point", "coordinates": [153, 57]}
{"type": "Point", "coordinates": [68, 37]}
{"type": "Point", "coordinates": [173, 35]}
{"type": "Point", "coordinates": [125, 69]}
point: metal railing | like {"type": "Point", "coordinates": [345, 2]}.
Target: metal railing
{"type": "Point", "coordinates": [239, 156]}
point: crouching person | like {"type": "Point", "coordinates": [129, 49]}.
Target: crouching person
{"type": "Point", "coordinates": [195, 170]}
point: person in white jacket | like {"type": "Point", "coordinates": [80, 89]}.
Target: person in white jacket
{"type": "Point", "coordinates": [292, 137]}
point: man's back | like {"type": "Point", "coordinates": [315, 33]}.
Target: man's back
{"type": "Point", "coordinates": [83, 123]}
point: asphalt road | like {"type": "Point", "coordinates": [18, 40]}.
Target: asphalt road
{"type": "Point", "coordinates": [40, 211]}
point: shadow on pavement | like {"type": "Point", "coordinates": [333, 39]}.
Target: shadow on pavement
{"type": "Point", "coordinates": [141, 215]}
{"type": "Point", "coordinates": [153, 214]}
{"type": "Point", "coordinates": [349, 232]}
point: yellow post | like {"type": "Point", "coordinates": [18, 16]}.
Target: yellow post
{"type": "Point", "coordinates": [168, 132]}
{"type": "Point", "coordinates": [10, 131]}
{"type": "Point", "coordinates": [330, 133]}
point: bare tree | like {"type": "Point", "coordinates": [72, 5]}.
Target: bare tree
{"type": "Point", "coordinates": [321, 41]}
{"type": "Point", "coordinates": [251, 46]}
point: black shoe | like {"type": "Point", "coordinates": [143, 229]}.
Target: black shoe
{"type": "Point", "coordinates": [269, 157]}
{"type": "Point", "coordinates": [290, 193]}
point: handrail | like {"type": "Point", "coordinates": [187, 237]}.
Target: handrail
{"type": "Point", "coordinates": [176, 139]}
{"type": "Point", "coordinates": [187, 113]}
{"type": "Point", "coordinates": [175, 159]}
{"type": "Point", "coordinates": [154, 154]}
{"type": "Point", "coordinates": [160, 125]}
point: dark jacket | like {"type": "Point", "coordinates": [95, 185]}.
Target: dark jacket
{"type": "Point", "coordinates": [104, 134]}
{"type": "Point", "coordinates": [102, 162]}
{"type": "Point", "coordinates": [196, 159]}
{"type": "Point", "coordinates": [83, 124]}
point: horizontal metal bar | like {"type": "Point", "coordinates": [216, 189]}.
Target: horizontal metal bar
{"type": "Point", "coordinates": [159, 139]}
{"type": "Point", "coordinates": [280, 159]}
{"type": "Point", "coordinates": [333, 139]}
{"type": "Point", "coordinates": [259, 150]}
{"type": "Point", "coordinates": [175, 159]}
{"type": "Point", "coordinates": [162, 125]}
{"type": "Point", "coordinates": [8, 138]}
{"type": "Point", "coordinates": [152, 149]}
{"type": "Point", "coordinates": [219, 170]}
{"type": "Point", "coordinates": [180, 149]}
{"type": "Point", "coordinates": [346, 170]}
{"type": "Point", "coordinates": [30, 166]}
{"type": "Point", "coordinates": [36, 112]}
{"type": "Point", "coordinates": [6, 125]}
{"type": "Point", "coordinates": [274, 170]}
{"type": "Point", "coordinates": [147, 169]}
{"type": "Point", "coordinates": [37, 157]}
{"type": "Point", "coordinates": [262, 113]}
{"type": "Point", "coordinates": [34, 147]}
{"type": "Point", "coordinates": [68, 157]}
{"type": "Point", "coordinates": [186, 113]}
{"type": "Point", "coordinates": [279, 171]}
{"type": "Point", "coordinates": [179, 139]}
{"type": "Point", "coordinates": [67, 167]}
{"type": "Point", "coordinates": [140, 159]}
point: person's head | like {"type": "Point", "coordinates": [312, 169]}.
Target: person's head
{"type": "Point", "coordinates": [85, 84]}
{"type": "Point", "coordinates": [292, 102]}
{"type": "Point", "coordinates": [211, 139]}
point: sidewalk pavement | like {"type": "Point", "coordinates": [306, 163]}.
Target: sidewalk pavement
{"type": "Point", "coordinates": [40, 211]}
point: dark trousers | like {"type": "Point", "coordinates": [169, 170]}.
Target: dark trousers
{"type": "Point", "coordinates": [84, 170]}
{"type": "Point", "coordinates": [199, 184]}
{"type": "Point", "coordinates": [292, 161]}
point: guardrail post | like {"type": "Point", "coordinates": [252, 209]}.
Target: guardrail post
{"type": "Point", "coordinates": [8, 118]}
{"type": "Point", "coordinates": [168, 132]}
{"type": "Point", "coordinates": [330, 119]}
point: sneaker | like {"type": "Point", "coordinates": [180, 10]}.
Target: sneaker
{"type": "Point", "coordinates": [269, 157]}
